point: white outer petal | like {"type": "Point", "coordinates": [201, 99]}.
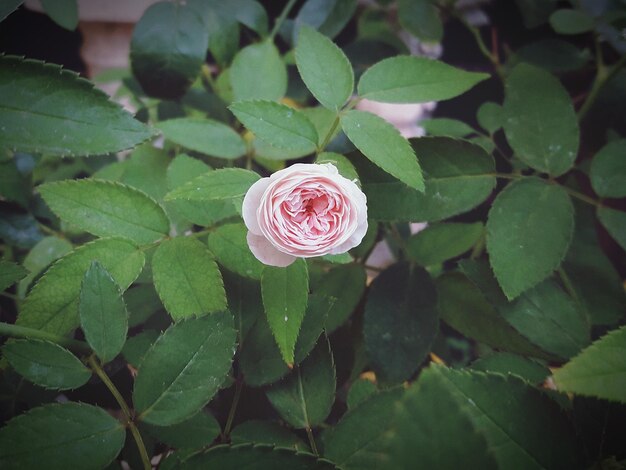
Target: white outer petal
{"type": "Point", "coordinates": [266, 253]}
{"type": "Point", "coordinates": [251, 203]}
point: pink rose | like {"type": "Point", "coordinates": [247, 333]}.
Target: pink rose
{"type": "Point", "coordinates": [303, 211]}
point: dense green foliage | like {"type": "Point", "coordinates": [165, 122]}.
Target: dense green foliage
{"type": "Point", "coordinates": [138, 326]}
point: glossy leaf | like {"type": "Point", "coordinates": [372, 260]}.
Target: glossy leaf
{"type": "Point", "coordinates": [228, 244]}
{"type": "Point", "coordinates": [401, 321]}
{"type": "Point", "coordinates": [187, 278]}
{"type": "Point", "coordinates": [347, 285]}
{"type": "Point", "coordinates": [9, 6]}
{"type": "Point", "coordinates": [285, 296]}
{"type": "Point", "coordinates": [489, 116]}
{"type": "Point", "coordinates": [52, 304]}
{"type": "Point", "coordinates": [222, 184]}
{"type": "Point", "coordinates": [431, 424]}
{"type": "Point", "coordinates": [265, 432]}
{"type": "Point", "coordinates": [46, 364]}
{"type": "Point", "coordinates": [44, 109]}
{"type": "Point", "coordinates": [103, 315]}
{"type": "Point", "coordinates": [614, 222]}
{"type": "Point", "coordinates": [359, 440]}
{"type": "Point", "coordinates": [410, 79]}
{"type": "Point", "coordinates": [570, 21]}
{"type": "Point", "coordinates": [198, 431]}
{"type": "Point", "coordinates": [608, 170]}
{"type": "Point", "coordinates": [258, 73]}
{"type": "Point", "coordinates": [554, 55]}
{"type": "Point", "coordinates": [324, 68]}
{"type": "Point", "coordinates": [458, 176]}
{"type": "Point", "coordinates": [446, 127]}
{"type": "Point", "coordinates": [169, 42]}
{"type": "Point", "coordinates": [305, 396]}
{"type": "Point", "coordinates": [62, 12]}
{"type": "Point", "coordinates": [384, 146]}
{"type": "Point", "coordinates": [421, 19]}
{"type": "Point", "coordinates": [329, 17]}
{"type": "Point", "coordinates": [277, 124]}
{"type": "Point", "coordinates": [539, 120]}
{"type": "Point", "coordinates": [40, 257]}
{"type": "Point", "coordinates": [205, 136]}
{"type": "Point", "coordinates": [529, 230]}
{"type": "Point", "coordinates": [548, 317]}
{"type": "Point", "coordinates": [107, 209]}
{"type": "Point", "coordinates": [69, 435]}
{"type": "Point", "coordinates": [467, 310]}
{"type": "Point", "coordinates": [440, 242]}
{"type": "Point", "coordinates": [507, 363]}
{"type": "Point", "coordinates": [599, 370]}
{"type": "Point", "coordinates": [258, 456]}
{"type": "Point", "coordinates": [10, 273]}
{"type": "Point", "coordinates": [184, 369]}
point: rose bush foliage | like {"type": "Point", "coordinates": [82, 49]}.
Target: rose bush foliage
{"type": "Point", "coordinates": [233, 276]}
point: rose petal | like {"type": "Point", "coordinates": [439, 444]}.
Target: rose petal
{"type": "Point", "coordinates": [266, 253]}
{"type": "Point", "coordinates": [251, 203]}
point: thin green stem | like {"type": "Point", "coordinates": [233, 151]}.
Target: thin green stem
{"type": "Point", "coordinates": [281, 19]}
{"type": "Point", "coordinates": [99, 371]}
{"type": "Point", "coordinates": [309, 434]}
{"type": "Point", "coordinates": [233, 406]}
{"type": "Point", "coordinates": [16, 331]}
{"type": "Point", "coordinates": [604, 75]}
{"type": "Point", "coordinates": [482, 46]}
{"type": "Point", "coordinates": [582, 197]}
{"type": "Point", "coordinates": [8, 295]}
{"type": "Point", "coordinates": [329, 135]}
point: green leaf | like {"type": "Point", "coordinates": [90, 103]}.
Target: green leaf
{"type": "Point", "coordinates": [569, 21]}
{"type": "Point", "coordinates": [137, 346]}
{"type": "Point", "coordinates": [256, 457]}
{"type": "Point", "coordinates": [599, 370]}
{"type": "Point", "coordinates": [277, 124]}
{"type": "Point", "coordinates": [614, 222]}
{"type": "Point", "coordinates": [184, 369]}
{"type": "Point", "coordinates": [187, 278]}
{"type": "Point", "coordinates": [228, 244]}
{"type": "Point", "coordinates": [549, 318]}
{"type": "Point", "coordinates": [440, 242]}
{"type": "Point", "coordinates": [44, 109]}
{"type": "Point", "coordinates": [529, 229]}
{"type": "Point", "coordinates": [410, 79]}
{"type": "Point", "coordinates": [168, 47]}
{"type": "Point", "coordinates": [248, 12]}
{"type": "Point", "coordinates": [458, 176]}
{"type": "Point", "coordinates": [223, 184]}
{"type": "Point", "coordinates": [554, 55]}
{"type": "Point", "coordinates": [446, 127]}
{"type": "Point", "coordinates": [194, 433]}
{"type": "Point", "coordinates": [46, 364]}
{"type": "Point", "coordinates": [535, 12]}
{"type": "Point", "coordinates": [52, 304]}
{"type": "Point", "coordinates": [431, 424]}
{"type": "Point", "coordinates": [318, 307]}
{"type": "Point", "coordinates": [595, 280]}
{"type": "Point", "coordinates": [285, 296]}
{"type": "Point", "coordinates": [512, 416]}
{"type": "Point", "coordinates": [489, 116]}
{"type": "Point", "coordinates": [608, 170]}
{"type": "Point", "coordinates": [324, 68]}
{"type": "Point", "coordinates": [421, 19]}
{"type": "Point", "coordinates": [205, 136]}
{"type": "Point", "coordinates": [384, 146]}
{"type": "Point", "coordinates": [265, 432]}
{"type": "Point", "coordinates": [106, 209]}
{"type": "Point", "coordinates": [68, 435]}
{"type": "Point", "coordinates": [539, 120]}
{"type": "Point", "coordinates": [329, 17]}
{"type": "Point", "coordinates": [142, 301]}
{"type": "Point", "coordinates": [359, 391]}
{"type": "Point", "coordinates": [260, 359]}
{"type": "Point", "coordinates": [62, 12]}
{"type": "Point", "coordinates": [258, 73]}
{"type": "Point", "coordinates": [8, 6]}
{"type": "Point", "coordinates": [304, 398]}
{"type": "Point", "coordinates": [400, 322]}
{"type": "Point", "coordinates": [244, 302]}
{"type": "Point", "coordinates": [343, 165]}
{"type": "Point", "coordinates": [357, 442]}
{"type": "Point", "coordinates": [465, 308]}
{"type": "Point", "coordinates": [507, 363]}
{"type": "Point", "coordinates": [103, 316]}
{"type": "Point", "coordinates": [48, 249]}
{"type": "Point", "coordinates": [346, 284]}
{"type": "Point", "coordinates": [10, 273]}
